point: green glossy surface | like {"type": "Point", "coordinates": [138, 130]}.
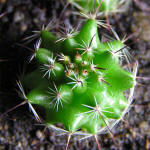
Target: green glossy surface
{"type": "Point", "coordinates": [43, 56]}
{"type": "Point", "coordinates": [88, 6]}
{"type": "Point", "coordinates": [83, 93]}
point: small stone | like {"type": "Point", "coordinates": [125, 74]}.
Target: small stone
{"type": "Point", "coordinates": [24, 27]}
{"type": "Point", "coordinates": [19, 16]}
{"type": "Point", "coordinates": [40, 135]}
{"type": "Point", "coordinates": [145, 127]}
{"type": "Point", "coordinates": [34, 142]}
{"type": "Point", "coordinates": [2, 1]}
{"type": "Point", "coordinates": [6, 127]}
{"type": "Point", "coordinates": [19, 145]}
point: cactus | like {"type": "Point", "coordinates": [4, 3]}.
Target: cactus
{"type": "Point", "coordinates": [107, 6]}
{"type": "Point", "coordinates": [79, 81]}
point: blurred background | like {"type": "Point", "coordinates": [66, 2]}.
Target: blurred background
{"type": "Point", "coordinates": [18, 129]}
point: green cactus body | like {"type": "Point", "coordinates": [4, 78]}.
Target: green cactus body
{"type": "Point", "coordinates": [85, 82]}
{"type": "Point", "coordinates": [107, 6]}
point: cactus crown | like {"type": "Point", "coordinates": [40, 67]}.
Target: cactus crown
{"type": "Point", "coordinates": [79, 80]}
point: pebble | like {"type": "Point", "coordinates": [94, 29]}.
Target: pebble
{"type": "Point", "coordinates": [2, 1]}
{"type": "Point", "coordinates": [18, 16]}
{"type": "Point", "coordinates": [40, 135]}
{"type": "Point", "coordinates": [145, 127]}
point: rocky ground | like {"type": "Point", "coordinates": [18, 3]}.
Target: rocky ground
{"type": "Point", "coordinates": [18, 129]}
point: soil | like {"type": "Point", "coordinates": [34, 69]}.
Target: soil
{"type": "Point", "coordinates": [18, 129]}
